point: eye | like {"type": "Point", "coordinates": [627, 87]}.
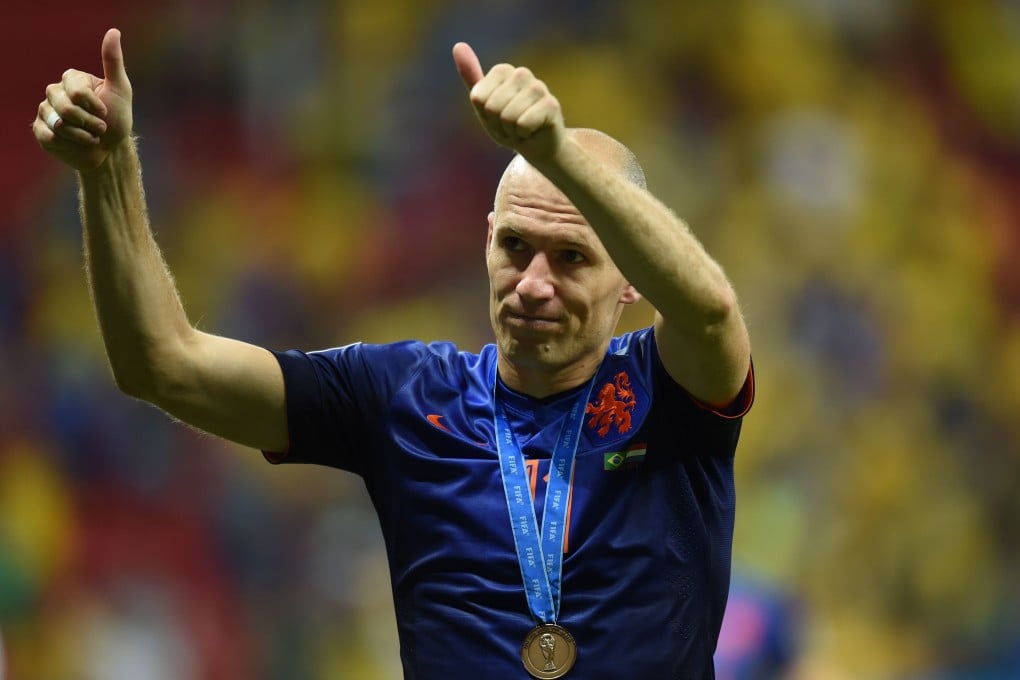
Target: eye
{"type": "Point", "coordinates": [573, 256]}
{"type": "Point", "coordinates": [513, 243]}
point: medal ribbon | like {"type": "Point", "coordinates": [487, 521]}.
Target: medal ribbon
{"type": "Point", "coordinates": [540, 554]}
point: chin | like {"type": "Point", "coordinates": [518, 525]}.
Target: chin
{"type": "Point", "coordinates": [529, 351]}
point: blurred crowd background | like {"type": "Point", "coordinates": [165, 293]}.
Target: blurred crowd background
{"type": "Point", "coordinates": [315, 177]}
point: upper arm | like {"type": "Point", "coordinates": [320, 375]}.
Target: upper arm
{"type": "Point", "coordinates": [225, 387]}
{"type": "Point", "coordinates": [712, 364]}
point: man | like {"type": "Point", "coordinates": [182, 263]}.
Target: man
{"type": "Point", "coordinates": [561, 502]}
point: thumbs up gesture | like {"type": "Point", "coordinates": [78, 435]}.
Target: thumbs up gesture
{"type": "Point", "coordinates": [514, 107]}
{"type": "Point", "coordinates": [84, 117]}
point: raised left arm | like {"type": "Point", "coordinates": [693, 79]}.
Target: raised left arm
{"type": "Point", "coordinates": [699, 329]}
{"type": "Point", "coordinates": [700, 332]}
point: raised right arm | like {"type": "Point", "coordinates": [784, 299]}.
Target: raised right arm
{"type": "Point", "coordinates": [225, 387]}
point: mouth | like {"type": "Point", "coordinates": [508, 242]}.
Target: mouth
{"type": "Point", "coordinates": [532, 321]}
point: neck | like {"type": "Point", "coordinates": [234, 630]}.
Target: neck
{"type": "Point", "coordinates": [542, 381]}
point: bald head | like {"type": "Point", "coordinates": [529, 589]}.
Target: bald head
{"type": "Point", "coordinates": [612, 151]}
{"type": "Point", "coordinates": [605, 148]}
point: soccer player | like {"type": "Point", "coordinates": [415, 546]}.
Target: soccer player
{"type": "Point", "coordinates": [559, 503]}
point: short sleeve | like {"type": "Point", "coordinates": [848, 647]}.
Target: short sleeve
{"type": "Point", "coordinates": [709, 430]}
{"type": "Point", "coordinates": [336, 400]}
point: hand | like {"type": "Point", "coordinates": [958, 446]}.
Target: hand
{"type": "Point", "coordinates": [515, 108]}
{"type": "Point", "coordinates": [94, 113]}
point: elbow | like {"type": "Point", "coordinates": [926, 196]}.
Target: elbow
{"type": "Point", "coordinates": [134, 380]}
{"type": "Point", "coordinates": [143, 373]}
{"type": "Point", "coordinates": [711, 313]}
{"type": "Point", "coordinates": [144, 370]}
{"type": "Point", "coordinates": [721, 309]}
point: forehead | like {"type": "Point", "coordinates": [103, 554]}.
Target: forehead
{"type": "Point", "coordinates": [526, 200]}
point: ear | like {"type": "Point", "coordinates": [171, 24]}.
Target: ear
{"type": "Point", "coordinates": [629, 295]}
{"type": "Point", "coordinates": [488, 237]}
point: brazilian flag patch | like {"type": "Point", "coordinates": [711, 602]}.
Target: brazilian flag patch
{"type": "Point", "coordinates": [618, 459]}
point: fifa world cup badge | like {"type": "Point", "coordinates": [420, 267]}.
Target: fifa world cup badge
{"type": "Point", "coordinates": [548, 652]}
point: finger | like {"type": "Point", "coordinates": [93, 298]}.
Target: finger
{"type": "Point", "coordinates": [54, 141]}
{"type": "Point", "coordinates": [48, 115]}
{"type": "Point", "coordinates": [512, 115]}
{"type": "Point", "coordinates": [540, 115]}
{"type": "Point", "coordinates": [499, 97]}
{"type": "Point", "coordinates": [87, 121]}
{"type": "Point", "coordinates": [75, 134]}
{"type": "Point", "coordinates": [114, 71]}
{"type": "Point", "coordinates": [58, 145]}
{"type": "Point", "coordinates": [64, 127]}
{"type": "Point", "coordinates": [483, 90]}
{"type": "Point", "coordinates": [70, 113]}
{"type": "Point", "coordinates": [513, 97]}
{"type": "Point", "coordinates": [467, 63]}
{"type": "Point", "coordinates": [80, 88]}
{"type": "Point", "coordinates": [43, 134]}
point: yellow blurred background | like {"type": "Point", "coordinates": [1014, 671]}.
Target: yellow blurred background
{"type": "Point", "coordinates": [315, 177]}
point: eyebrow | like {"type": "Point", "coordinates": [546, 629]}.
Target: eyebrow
{"type": "Point", "coordinates": [569, 243]}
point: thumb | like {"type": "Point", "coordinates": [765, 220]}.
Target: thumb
{"type": "Point", "coordinates": [113, 61]}
{"type": "Point", "coordinates": [468, 66]}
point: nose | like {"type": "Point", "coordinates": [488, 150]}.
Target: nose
{"type": "Point", "coordinates": [536, 284]}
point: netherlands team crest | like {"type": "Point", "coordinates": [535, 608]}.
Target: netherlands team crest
{"type": "Point", "coordinates": [616, 408]}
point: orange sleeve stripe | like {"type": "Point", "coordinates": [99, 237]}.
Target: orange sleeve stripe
{"type": "Point", "coordinates": [740, 405]}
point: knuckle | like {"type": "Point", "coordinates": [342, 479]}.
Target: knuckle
{"type": "Point", "coordinates": [523, 73]}
{"type": "Point", "coordinates": [74, 90]}
{"type": "Point", "coordinates": [41, 133]}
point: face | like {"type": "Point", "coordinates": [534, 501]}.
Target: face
{"type": "Point", "coordinates": [555, 294]}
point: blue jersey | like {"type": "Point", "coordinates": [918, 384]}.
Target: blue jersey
{"type": "Point", "coordinates": [649, 524]}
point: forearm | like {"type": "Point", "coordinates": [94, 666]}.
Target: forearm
{"type": "Point", "coordinates": [653, 247]}
{"type": "Point", "coordinates": [139, 312]}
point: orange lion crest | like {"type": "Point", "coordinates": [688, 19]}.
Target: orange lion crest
{"type": "Point", "coordinates": [613, 406]}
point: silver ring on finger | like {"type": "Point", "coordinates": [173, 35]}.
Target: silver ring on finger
{"type": "Point", "coordinates": [52, 119]}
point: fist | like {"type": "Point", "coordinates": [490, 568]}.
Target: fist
{"type": "Point", "coordinates": [84, 117]}
{"type": "Point", "coordinates": [514, 107]}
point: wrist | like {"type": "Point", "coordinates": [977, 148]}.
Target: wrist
{"type": "Point", "coordinates": [121, 154]}
{"type": "Point", "coordinates": [559, 160]}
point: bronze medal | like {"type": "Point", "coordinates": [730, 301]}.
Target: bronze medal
{"type": "Point", "coordinates": [549, 651]}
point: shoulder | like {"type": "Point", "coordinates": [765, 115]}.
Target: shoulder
{"type": "Point", "coordinates": [404, 353]}
{"type": "Point", "coordinates": [638, 345]}
{"type": "Point", "coordinates": [635, 354]}
{"type": "Point", "coordinates": [638, 350]}
{"type": "Point", "coordinates": [396, 364]}
{"type": "Point", "coordinates": [383, 368]}
{"type": "Point", "coordinates": [435, 356]}
{"type": "Point", "coordinates": [634, 399]}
